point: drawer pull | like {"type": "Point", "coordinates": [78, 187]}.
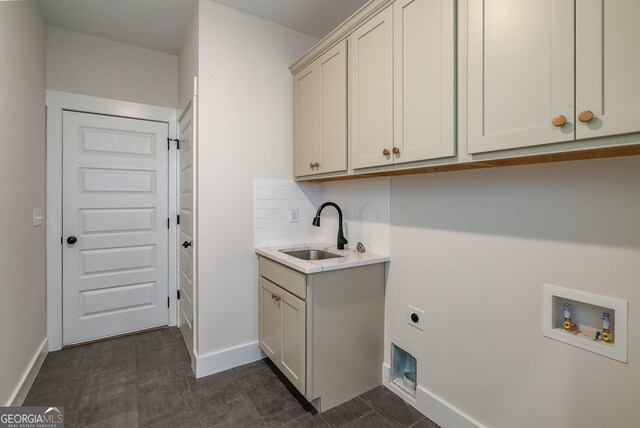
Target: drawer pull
{"type": "Point", "coordinates": [585, 116]}
{"type": "Point", "coordinates": [559, 121]}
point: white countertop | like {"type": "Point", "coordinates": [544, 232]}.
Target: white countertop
{"type": "Point", "coordinates": [351, 257]}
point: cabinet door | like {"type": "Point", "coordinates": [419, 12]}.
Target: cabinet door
{"type": "Point", "coordinates": [608, 67]}
{"type": "Point", "coordinates": [292, 358]}
{"type": "Point", "coordinates": [332, 106]}
{"type": "Point", "coordinates": [371, 91]}
{"type": "Point", "coordinates": [270, 320]}
{"type": "Point", "coordinates": [305, 121]}
{"type": "Point", "coordinates": [520, 73]}
{"type": "Point", "coordinates": [424, 94]}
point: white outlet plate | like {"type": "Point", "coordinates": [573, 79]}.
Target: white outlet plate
{"type": "Point", "coordinates": [293, 215]}
{"type": "Point", "coordinates": [37, 217]}
{"type": "Point", "coordinates": [413, 310]}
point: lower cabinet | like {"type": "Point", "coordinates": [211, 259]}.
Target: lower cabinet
{"type": "Point", "coordinates": [318, 328]}
{"type": "Point", "coordinates": [282, 331]}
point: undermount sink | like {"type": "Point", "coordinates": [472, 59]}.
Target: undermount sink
{"type": "Point", "coordinates": [311, 254]}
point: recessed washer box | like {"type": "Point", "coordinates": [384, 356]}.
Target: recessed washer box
{"type": "Point", "coordinates": [587, 309]}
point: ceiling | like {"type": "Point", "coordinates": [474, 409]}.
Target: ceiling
{"type": "Point", "coordinates": [162, 24]}
{"type": "Point", "coordinates": [152, 24]}
{"type": "Point", "coordinates": [314, 17]}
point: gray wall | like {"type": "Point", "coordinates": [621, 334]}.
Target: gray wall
{"type": "Point", "coordinates": [22, 188]}
{"type": "Point", "coordinates": [89, 65]}
{"type": "Point", "coordinates": [473, 248]}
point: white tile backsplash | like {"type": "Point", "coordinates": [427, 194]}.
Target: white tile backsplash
{"type": "Point", "coordinates": [365, 207]}
{"type": "Point", "coordinates": [273, 201]}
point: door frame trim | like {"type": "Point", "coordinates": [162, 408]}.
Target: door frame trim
{"type": "Point", "coordinates": [57, 103]}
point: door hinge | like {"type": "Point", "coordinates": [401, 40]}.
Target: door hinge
{"type": "Point", "coordinates": [168, 305]}
{"type": "Point", "coordinates": [178, 294]}
{"type": "Point", "coordinates": [177, 219]}
{"type": "Point", "coordinates": [169, 140]}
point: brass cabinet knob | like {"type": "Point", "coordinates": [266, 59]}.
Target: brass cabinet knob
{"type": "Point", "coordinates": [559, 121]}
{"type": "Point", "coordinates": [311, 165]}
{"type": "Point", "coordinates": [385, 152]}
{"type": "Point", "coordinates": [585, 116]}
{"type": "Point", "coordinates": [317, 165]}
{"type": "Point", "coordinates": [396, 150]}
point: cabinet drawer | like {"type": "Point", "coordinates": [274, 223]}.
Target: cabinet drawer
{"type": "Point", "coordinates": [290, 280]}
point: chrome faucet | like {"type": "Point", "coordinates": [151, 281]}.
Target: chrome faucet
{"type": "Point", "coordinates": [316, 222]}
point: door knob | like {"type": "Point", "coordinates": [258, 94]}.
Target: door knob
{"type": "Point", "coordinates": [559, 121]}
{"type": "Point", "coordinates": [385, 152]}
{"type": "Point", "coordinates": [317, 165]}
{"type": "Point", "coordinates": [311, 165]}
{"type": "Point", "coordinates": [585, 116]}
{"type": "Point", "coordinates": [186, 244]}
{"type": "Point", "coordinates": [72, 240]}
{"type": "Point", "coordinates": [396, 150]}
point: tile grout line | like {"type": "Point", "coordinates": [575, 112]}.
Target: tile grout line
{"type": "Point", "coordinates": [360, 417]}
{"type": "Point", "coordinates": [235, 376]}
{"type": "Point", "coordinates": [414, 424]}
{"type": "Point", "coordinates": [375, 411]}
{"type": "Point", "coordinates": [368, 405]}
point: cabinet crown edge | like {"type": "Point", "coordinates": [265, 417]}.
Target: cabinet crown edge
{"type": "Point", "coordinates": [340, 33]}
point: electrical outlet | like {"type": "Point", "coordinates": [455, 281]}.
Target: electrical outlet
{"type": "Point", "coordinates": [293, 215]}
{"type": "Point", "coordinates": [415, 317]}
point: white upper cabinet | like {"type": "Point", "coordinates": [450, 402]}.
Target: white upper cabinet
{"type": "Point", "coordinates": [320, 114]}
{"type": "Point", "coordinates": [607, 67]}
{"type": "Point", "coordinates": [520, 73]}
{"type": "Point", "coordinates": [305, 121]}
{"type": "Point", "coordinates": [424, 87]}
{"type": "Point", "coordinates": [371, 91]}
{"type": "Point", "coordinates": [332, 106]}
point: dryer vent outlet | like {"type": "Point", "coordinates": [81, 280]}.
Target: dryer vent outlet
{"type": "Point", "coordinates": [404, 370]}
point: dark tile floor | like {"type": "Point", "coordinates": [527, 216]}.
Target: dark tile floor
{"type": "Point", "coordinates": [145, 380]}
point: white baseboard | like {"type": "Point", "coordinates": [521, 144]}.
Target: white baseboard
{"type": "Point", "coordinates": [29, 375]}
{"type": "Point", "coordinates": [429, 404]}
{"type": "Point", "coordinates": [226, 359]}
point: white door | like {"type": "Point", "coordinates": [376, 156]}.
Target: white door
{"type": "Point", "coordinates": [185, 241]}
{"type": "Point", "coordinates": [520, 68]}
{"type": "Point", "coordinates": [607, 67]}
{"type": "Point", "coordinates": [371, 91]}
{"type": "Point", "coordinates": [115, 204]}
{"type": "Point", "coordinates": [424, 87]}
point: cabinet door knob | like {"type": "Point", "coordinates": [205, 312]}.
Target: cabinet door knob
{"type": "Point", "coordinates": [585, 116]}
{"type": "Point", "coordinates": [396, 150]}
{"type": "Point", "coordinates": [317, 165]}
{"type": "Point", "coordinates": [559, 120]}
{"type": "Point", "coordinates": [311, 165]}
{"type": "Point", "coordinates": [385, 152]}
